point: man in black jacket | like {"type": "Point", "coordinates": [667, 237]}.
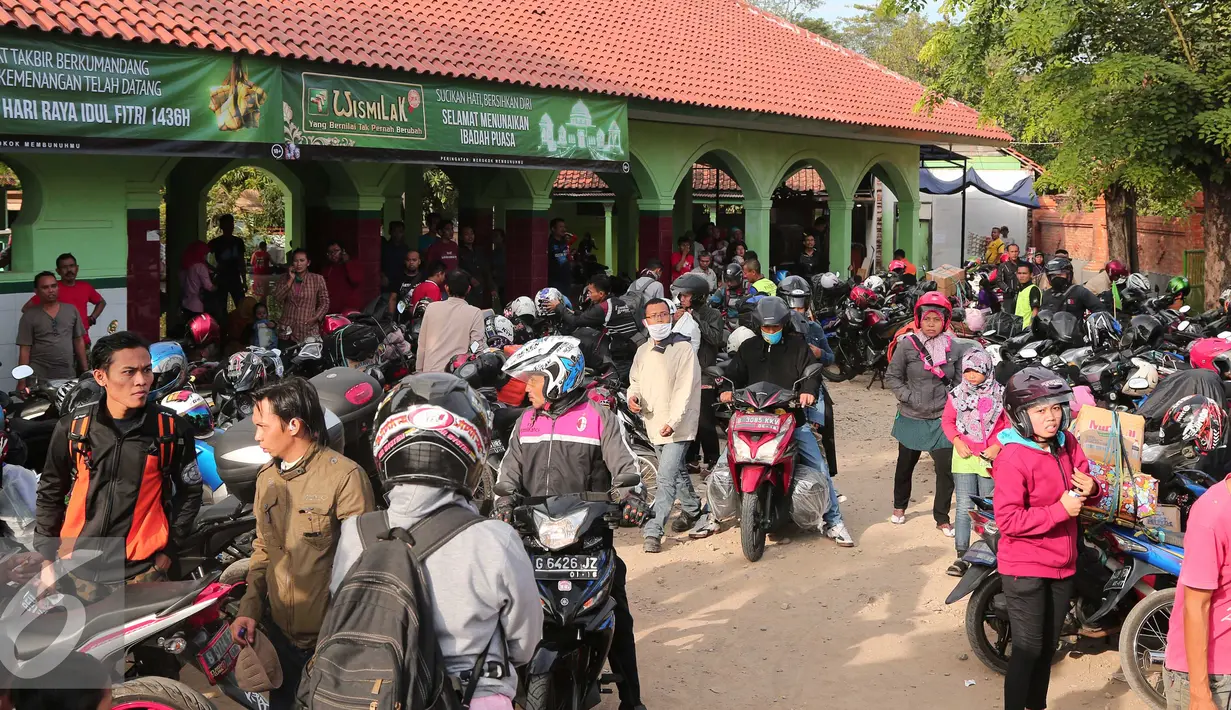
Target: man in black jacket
{"type": "Point", "coordinates": [1064, 295]}
{"type": "Point", "coordinates": [693, 292]}
{"type": "Point", "coordinates": [128, 470]}
{"type": "Point", "coordinates": [610, 316]}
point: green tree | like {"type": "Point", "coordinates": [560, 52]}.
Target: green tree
{"type": "Point", "coordinates": [893, 40]}
{"type": "Point", "coordinates": [222, 198]}
{"type": "Point", "coordinates": [1137, 93]}
{"type": "Point", "coordinates": [800, 12]}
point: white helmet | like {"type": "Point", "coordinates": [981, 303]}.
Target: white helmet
{"type": "Point", "coordinates": [547, 295]}
{"type": "Point", "coordinates": [1137, 282]}
{"type": "Point", "coordinates": [502, 329]}
{"type": "Point", "coordinates": [557, 357]}
{"type": "Point", "coordinates": [192, 409]}
{"type": "Point", "coordinates": [876, 283]}
{"type": "Point", "coordinates": [737, 338]}
{"type": "Point", "coordinates": [521, 307]}
{"type": "Point", "coordinates": [830, 280]}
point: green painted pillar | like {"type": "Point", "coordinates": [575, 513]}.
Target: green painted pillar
{"type": "Point", "coordinates": [627, 222]}
{"type": "Point", "coordinates": [910, 236]}
{"type": "Point", "coordinates": [681, 215]}
{"type": "Point", "coordinates": [756, 229]}
{"type": "Point", "coordinates": [840, 216]}
{"type": "Point", "coordinates": [608, 241]}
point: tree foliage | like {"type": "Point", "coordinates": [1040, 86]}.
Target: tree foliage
{"type": "Point", "coordinates": [224, 194]}
{"type": "Point", "coordinates": [893, 40]}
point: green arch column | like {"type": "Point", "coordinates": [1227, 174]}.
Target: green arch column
{"type": "Point", "coordinates": [840, 217]}
{"type": "Point", "coordinates": [756, 228]}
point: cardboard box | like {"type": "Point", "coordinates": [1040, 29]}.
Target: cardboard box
{"type": "Point", "coordinates": [1115, 465]}
{"type": "Point", "coordinates": [947, 278]}
{"type": "Point", "coordinates": [1167, 518]}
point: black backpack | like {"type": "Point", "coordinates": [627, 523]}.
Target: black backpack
{"type": "Point", "coordinates": [364, 658]}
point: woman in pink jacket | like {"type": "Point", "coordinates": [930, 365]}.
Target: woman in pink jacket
{"type": "Point", "coordinates": [1041, 481]}
{"type": "Point", "coordinates": [974, 415]}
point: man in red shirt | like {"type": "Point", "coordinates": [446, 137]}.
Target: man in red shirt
{"type": "Point", "coordinates": [343, 279]}
{"type": "Point", "coordinates": [262, 268]}
{"type": "Point", "coordinates": [682, 258]}
{"type": "Point", "coordinates": [445, 249]}
{"type": "Point", "coordinates": [79, 294]}
{"type": "Point", "coordinates": [429, 290]}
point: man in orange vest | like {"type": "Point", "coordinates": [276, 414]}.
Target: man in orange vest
{"type": "Point", "coordinates": [128, 469]}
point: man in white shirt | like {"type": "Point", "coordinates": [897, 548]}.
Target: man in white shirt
{"type": "Point", "coordinates": [705, 267]}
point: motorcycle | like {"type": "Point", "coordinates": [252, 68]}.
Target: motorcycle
{"type": "Point", "coordinates": [154, 629]}
{"type": "Point", "coordinates": [761, 450]}
{"type": "Point", "coordinates": [860, 341]}
{"type": "Point", "coordinates": [32, 417]}
{"type": "Point", "coordinates": [570, 542]}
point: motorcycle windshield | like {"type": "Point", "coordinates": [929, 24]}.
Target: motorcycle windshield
{"type": "Point", "coordinates": [1065, 327]}
{"type": "Point", "coordinates": [764, 395]}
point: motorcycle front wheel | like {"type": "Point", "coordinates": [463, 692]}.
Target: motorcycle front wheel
{"type": "Point", "coordinates": [157, 694]}
{"type": "Point", "coordinates": [1143, 644]}
{"type": "Point", "coordinates": [543, 694]}
{"type": "Point", "coordinates": [752, 523]}
{"type": "Point", "coordinates": [988, 629]}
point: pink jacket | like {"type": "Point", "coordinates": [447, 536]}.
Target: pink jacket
{"type": "Point", "coordinates": [948, 422]}
{"type": "Point", "coordinates": [1037, 536]}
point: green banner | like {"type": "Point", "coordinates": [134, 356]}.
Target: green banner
{"type": "Point", "coordinates": [109, 96]}
{"type": "Point", "coordinates": [118, 96]}
{"type": "Point", "coordinates": [331, 114]}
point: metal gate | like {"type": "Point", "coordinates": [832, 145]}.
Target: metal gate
{"type": "Point", "coordinates": [1194, 271]}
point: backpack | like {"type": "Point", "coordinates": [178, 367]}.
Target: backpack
{"type": "Point", "coordinates": [893, 343]}
{"type": "Point", "coordinates": [166, 442]}
{"type": "Point", "coordinates": [634, 299]}
{"type": "Point", "coordinates": [364, 659]}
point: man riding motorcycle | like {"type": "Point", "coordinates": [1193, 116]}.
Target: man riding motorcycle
{"type": "Point", "coordinates": [567, 444]}
{"type": "Point", "coordinates": [780, 356]}
{"type": "Point", "coordinates": [692, 290]}
{"type": "Point", "coordinates": [611, 316]}
{"type": "Point", "coordinates": [1064, 295]}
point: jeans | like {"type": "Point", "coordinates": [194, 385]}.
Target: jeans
{"type": "Point", "coordinates": [821, 414]}
{"type": "Point", "coordinates": [1037, 608]}
{"type": "Point", "coordinates": [293, 660]}
{"type": "Point", "coordinates": [907, 458]}
{"type": "Point", "coordinates": [673, 482]}
{"type": "Point", "coordinates": [966, 485]}
{"type": "Point", "coordinates": [810, 456]}
{"type": "Point", "coordinates": [1175, 685]}
{"type": "Point", "coordinates": [623, 652]}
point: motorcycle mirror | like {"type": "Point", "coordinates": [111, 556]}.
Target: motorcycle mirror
{"type": "Point", "coordinates": [401, 306]}
{"type": "Point", "coordinates": [1127, 340]}
{"type": "Point", "coordinates": [1225, 335]}
{"type": "Point", "coordinates": [505, 489]}
{"type": "Point", "coordinates": [1029, 352]}
{"type": "Point", "coordinates": [989, 333]}
{"type": "Point", "coordinates": [813, 370]}
{"type": "Point", "coordinates": [624, 480]}
{"type": "Point", "coordinates": [21, 372]}
{"type": "Point", "coordinates": [1185, 309]}
{"type": "Point", "coordinates": [1183, 324]}
{"type": "Point", "coordinates": [715, 371]}
{"type": "Point", "coordinates": [1138, 383]}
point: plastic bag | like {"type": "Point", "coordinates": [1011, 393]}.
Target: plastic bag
{"type": "Point", "coordinates": [809, 498]}
{"type": "Point", "coordinates": [720, 490]}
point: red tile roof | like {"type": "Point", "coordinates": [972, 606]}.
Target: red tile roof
{"type": "Point", "coordinates": [583, 183]}
{"type": "Point", "coordinates": [722, 54]}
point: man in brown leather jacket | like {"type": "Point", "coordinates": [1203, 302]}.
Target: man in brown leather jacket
{"type": "Point", "coordinates": [302, 497]}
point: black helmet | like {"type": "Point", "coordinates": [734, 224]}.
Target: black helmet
{"type": "Point", "coordinates": [1146, 330]}
{"type": "Point", "coordinates": [690, 283]}
{"type": "Point", "coordinates": [772, 310]}
{"type": "Point", "coordinates": [1059, 272]}
{"type": "Point", "coordinates": [431, 429]}
{"type": "Point", "coordinates": [1042, 322]}
{"type": "Point", "coordinates": [796, 291]}
{"type": "Point", "coordinates": [734, 272]}
{"type": "Point", "coordinates": [1033, 386]}
{"type": "Point", "coordinates": [74, 393]}
{"type": "Point", "coordinates": [1195, 421]}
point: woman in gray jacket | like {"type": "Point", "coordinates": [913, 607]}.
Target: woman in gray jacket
{"type": "Point", "coordinates": [925, 366]}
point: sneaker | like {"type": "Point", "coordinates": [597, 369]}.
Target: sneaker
{"type": "Point", "coordinates": [898, 517]}
{"type": "Point", "coordinates": [947, 529]}
{"type": "Point", "coordinates": [683, 523]}
{"type": "Point", "coordinates": [839, 534]}
{"type": "Point", "coordinates": [653, 545]}
{"type": "Point", "coordinates": [958, 568]}
{"type": "Point", "coordinates": [705, 527]}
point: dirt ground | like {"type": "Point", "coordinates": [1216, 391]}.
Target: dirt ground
{"type": "Point", "coordinates": [812, 625]}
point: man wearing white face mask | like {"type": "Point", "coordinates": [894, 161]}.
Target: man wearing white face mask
{"type": "Point", "coordinates": [665, 389]}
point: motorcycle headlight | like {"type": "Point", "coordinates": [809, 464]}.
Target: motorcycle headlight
{"type": "Point", "coordinates": [742, 450]}
{"type": "Point", "coordinates": [35, 411]}
{"type": "Point", "coordinates": [558, 533]}
{"type": "Point", "coordinates": [765, 452]}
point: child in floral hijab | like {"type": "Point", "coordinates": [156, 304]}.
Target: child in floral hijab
{"type": "Point", "coordinates": [974, 415]}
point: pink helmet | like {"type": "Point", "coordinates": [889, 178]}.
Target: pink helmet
{"type": "Point", "coordinates": [863, 297]}
{"type": "Point", "coordinates": [332, 323]}
{"type": "Point", "coordinates": [203, 329]}
{"type": "Point", "coordinates": [930, 300]}
{"type": "Point", "coordinates": [974, 320]}
{"type": "Point", "coordinates": [897, 264]}
{"type": "Point", "coordinates": [1202, 352]}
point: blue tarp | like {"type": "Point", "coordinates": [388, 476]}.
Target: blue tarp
{"type": "Point", "coordinates": [1022, 193]}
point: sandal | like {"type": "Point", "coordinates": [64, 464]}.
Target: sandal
{"type": "Point", "coordinates": [947, 529]}
{"type": "Point", "coordinates": [958, 568]}
{"type": "Point", "coordinates": [898, 517]}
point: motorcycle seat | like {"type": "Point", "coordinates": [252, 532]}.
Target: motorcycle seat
{"type": "Point", "coordinates": [119, 608]}
{"type": "Point", "coordinates": [231, 507]}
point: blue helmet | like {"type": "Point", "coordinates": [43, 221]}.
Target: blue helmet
{"type": "Point", "coordinates": [557, 358]}
{"type": "Point", "coordinates": [170, 369]}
